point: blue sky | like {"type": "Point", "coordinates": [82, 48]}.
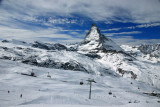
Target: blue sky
{"type": "Point", "coordinates": [67, 21]}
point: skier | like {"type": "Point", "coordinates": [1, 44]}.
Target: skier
{"type": "Point", "coordinates": [21, 95]}
{"type": "Point", "coordinates": [8, 91]}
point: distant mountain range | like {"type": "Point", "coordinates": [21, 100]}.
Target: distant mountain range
{"type": "Point", "coordinates": [97, 54]}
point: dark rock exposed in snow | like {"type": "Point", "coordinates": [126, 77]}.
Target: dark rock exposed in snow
{"type": "Point", "coordinates": [123, 72]}
{"type": "Point", "coordinates": [6, 57]}
{"type": "Point", "coordinates": [40, 45]}
{"type": "Point", "coordinates": [5, 41]}
{"type": "Point", "coordinates": [71, 65]}
{"type": "Point", "coordinates": [93, 55]}
{"type": "Point", "coordinates": [152, 50]}
{"type": "Point", "coordinates": [58, 46]}
{"type": "Point", "coordinates": [46, 46]}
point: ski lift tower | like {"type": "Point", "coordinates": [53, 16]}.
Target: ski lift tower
{"type": "Point", "coordinates": [90, 82]}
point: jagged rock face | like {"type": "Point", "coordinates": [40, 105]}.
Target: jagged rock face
{"type": "Point", "coordinates": [95, 41]}
{"type": "Point", "coordinates": [70, 65]}
{"type": "Point", "coordinates": [152, 50]}
{"type": "Point", "coordinates": [40, 45]}
{"type": "Point", "coordinates": [45, 46]}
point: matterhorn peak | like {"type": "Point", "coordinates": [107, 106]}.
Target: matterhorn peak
{"type": "Point", "coordinates": [95, 41]}
{"type": "Point", "coordinates": [93, 34]}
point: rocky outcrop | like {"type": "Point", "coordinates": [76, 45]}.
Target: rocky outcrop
{"type": "Point", "coordinates": [152, 50]}
{"type": "Point", "coordinates": [47, 46]}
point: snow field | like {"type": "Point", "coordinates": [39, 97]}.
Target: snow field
{"type": "Point", "coordinates": [63, 88]}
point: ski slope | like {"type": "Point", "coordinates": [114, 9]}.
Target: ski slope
{"type": "Point", "coordinates": [63, 88]}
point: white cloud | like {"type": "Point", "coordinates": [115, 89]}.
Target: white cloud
{"type": "Point", "coordinates": [23, 34]}
{"type": "Point", "coordinates": [144, 26]}
{"type": "Point", "coordinates": [122, 33]}
{"type": "Point", "coordinates": [113, 29]}
{"type": "Point", "coordinates": [129, 40]}
{"type": "Point", "coordinates": [140, 11]}
{"type": "Point", "coordinates": [51, 20]}
{"type": "Point", "coordinates": [133, 27]}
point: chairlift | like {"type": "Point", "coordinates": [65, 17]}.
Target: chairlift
{"type": "Point", "coordinates": [49, 75]}
{"type": "Point", "coordinates": [81, 82]}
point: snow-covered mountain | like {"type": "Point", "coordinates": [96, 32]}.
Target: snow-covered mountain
{"type": "Point", "coordinates": [95, 42]}
{"type": "Point", "coordinates": [96, 55]}
{"type": "Point", "coordinates": [153, 50]}
{"type": "Point", "coordinates": [144, 52]}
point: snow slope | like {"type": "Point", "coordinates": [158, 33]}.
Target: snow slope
{"type": "Point", "coordinates": [63, 88]}
{"type": "Point", "coordinates": [102, 62]}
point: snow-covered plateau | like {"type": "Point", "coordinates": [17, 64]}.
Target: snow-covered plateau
{"type": "Point", "coordinates": [125, 75]}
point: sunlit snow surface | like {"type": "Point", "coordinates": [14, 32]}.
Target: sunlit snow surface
{"type": "Point", "coordinates": [63, 88]}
